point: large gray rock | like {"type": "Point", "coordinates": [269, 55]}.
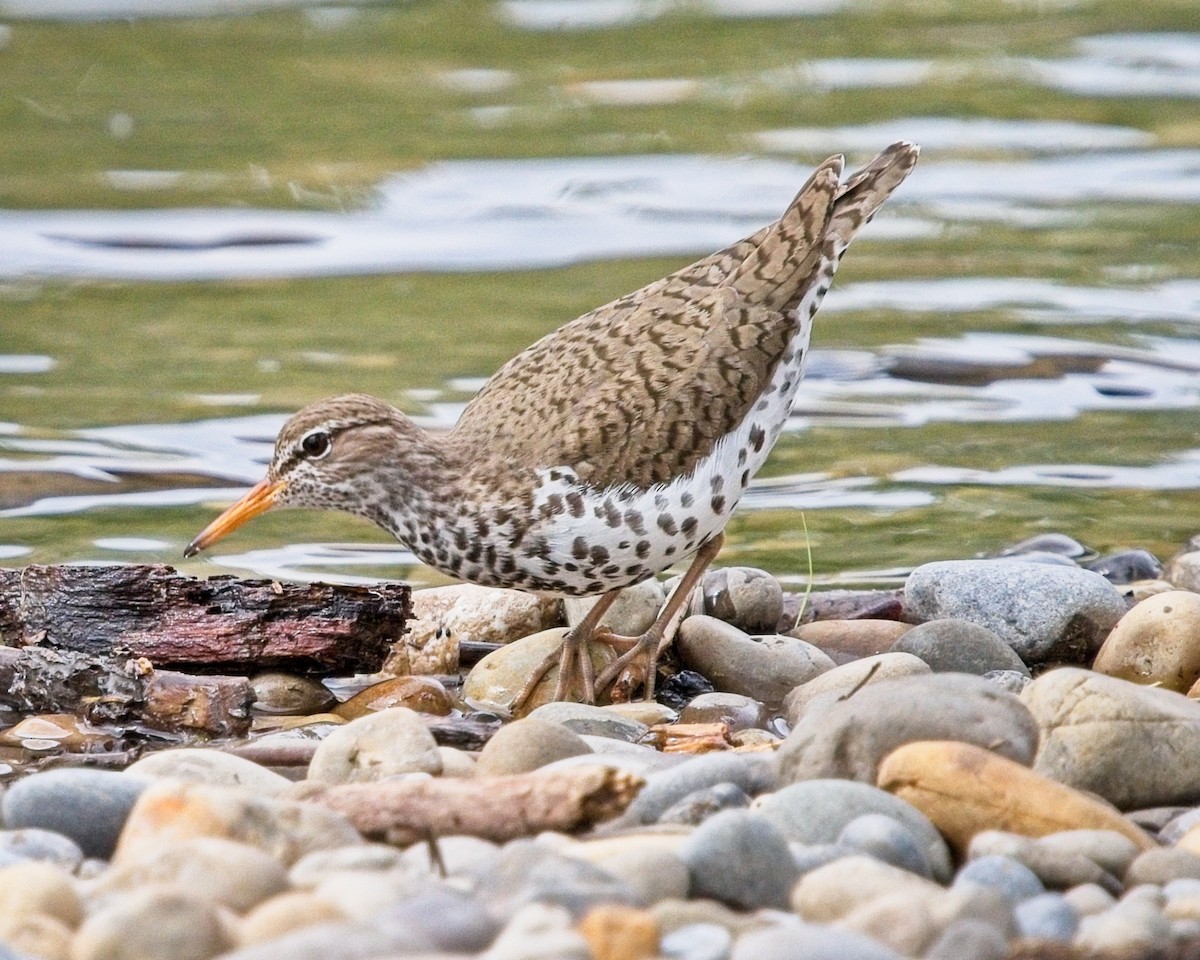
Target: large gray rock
{"type": "Point", "coordinates": [848, 738]}
{"type": "Point", "coordinates": [1135, 746]}
{"type": "Point", "coordinates": [1044, 612]}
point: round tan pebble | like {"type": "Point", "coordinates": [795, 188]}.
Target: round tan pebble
{"type": "Point", "coordinates": [36, 935]}
{"type": "Point", "coordinates": [1157, 641]}
{"type": "Point", "coordinates": [829, 893]}
{"type": "Point", "coordinates": [457, 763]}
{"type": "Point", "coordinates": [964, 789]}
{"type": "Point", "coordinates": [852, 676]}
{"type": "Point", "coordinates": [528, 744]}
{"type": "Point", "coordinates": [620, 933]}
{"type": "Point", "coordinates": [39, 888]}
{"type": "Point", "coordinates": [212, 767]}
{"type": "Point", "coordinates": [1183, 570]}
{"type": "Point", "coordinates": [276, 692]}
{"type": "Point", "coordinates": [421, 694]}
{"type": "Point", "coordinates": [147, 924]}
{"type": "Point", "coordinates": [904, 920]}
{"type": "Point", "coordinates": [847, 640]}
{"type": "Point", "coordinates": [374, 747]}
{"type": "Point", "coordinates": [283, 914]}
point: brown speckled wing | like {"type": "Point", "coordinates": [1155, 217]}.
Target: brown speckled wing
{"type": "Point", "coordinates": [639, 390]}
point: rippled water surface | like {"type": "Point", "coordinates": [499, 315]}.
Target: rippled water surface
{"type": "Point", "coordinates": [186, 257]}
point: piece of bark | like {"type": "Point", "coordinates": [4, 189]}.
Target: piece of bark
{"type": "Point", "coordinates": [494, 808]}
{"type": "Point", "coordinates": [125, 692]}
{"type": "Point", "coordinates": [225, 622]}
{"type": "Point", "coordinates": [841, 605]}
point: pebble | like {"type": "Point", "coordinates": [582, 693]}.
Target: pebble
{"type": "Point", "coordinates": [1088, 899]}
{"type": "Point", "coordinates": [697, 941]}
{"type": "Point", "coordinates": [1162, 865]}
{"type": "Point", "coordinates": [152, 923]}
{"type": "Point", "coordinates": [1006, 875]}
{"type": "Point", "coordinates": [653, 874]}
{"type": "Point", "coordinates": [809, 942]}
{"type": "Point", "coordinates": [1156, 642]}
{"type": "Point", "coordinates": [736, 711]}
{"type": "Point", "coordinates": [1012, 681]}
{"type": "Point", "coordinates": [528, 744]}
{"type": "Point", "coordinates": [450, 920]}
{"type": "Point", "coordinates": [1058, 869]}
{"type": "Point", "coordinates": [748, 598]}
{"type": "Point", "coordinates": [525, 872]}
{"type": "Point", "coordinates": [591, 721]}
{"type": "Point", "coordinates": [968, 938]}
{"type": "Point", "coordinates": [1130, 926]}
{"type": "Point", "coordinates": [374, 747]}
{"type": "Point", "coordinates": [852, 676]}
{"type": "Point", "coordinates": [632, 613]}
{"type": "Point", "coordinates": [829, 893]}
{"type": "Point", "coordinates": [539, 932]}
{"type": "Point", "coordinates": [89, 806]}
{"type": "Point", "coordinates": [752, 773]}
{"type": "Point", "coordinates": [958, 646]}
{"type": "Point", "coordinates": [1046, 917]}
{"type": "Point", "coordinates": [420, 694]}
{"type": "Point", "coordinates": [815, 812]}
{"type": "Point", "coordinates": [848, 640]}
{"type": "Point", "coordinates": [501, 675]}
{"type": "Point", "coordinates": [699, 805]}
{"type": "Point", "coordinates": [1111, 851]}
{"type": "Point", "coordinates": [740, 859]}
{"type": "Point", "coordinates": [1126, 566]}
{"type": "Point", "coordinates": [620, 933]}
{"type": "Point", "coordinates": [289, 693]}
{"type": "Point", "coordinates": [283, 914]}
{"type": "Point", "coordinates": [883, 838]}
{"type": "Point", "coordinates": [38, 889]}
{"type": "Point", "coordinates": [34, 936]}
{"type": "Point", "coordinates": [1055, 543]}
{"type": "Point", "coordinates": [1045, 613]}
{"type": "Point", "coordinates": [1134, 746]}
{"type": "Point", "coordinates": [766, 668]}
{"type": "Point", "coordinates": [848, 738]}
{"type": "Point", "coordinates": [1183, 571]}
{"type": "Point", "coordinates": [213, 767]}
{"type": "Point", "coordinates": [46, 846]}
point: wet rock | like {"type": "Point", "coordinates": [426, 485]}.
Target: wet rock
{"type": "Point", "coordinates": [502, 674]}
{"type": "Point", "coordinates": [852, 676]}
{"type": "Point", "coordinates": [749, 599]}
{"type": "Point", "coordinates": [445, 616]}
{"type": "Point", "coordinates": [46, 846]}
{"type": "Point", "coordinates": [1156, 642]}
{"type": "Point", "coordinates": [752, 773]}
{"type": "Point", "coordinates": [957, 646]}
{"type": "Point", "coordinates": [964, 790]}
{"type": "Point", "coordinates": [289, 693]}
{"type": "Point", "coordinates": [1045, 613]}
{"type": "Point", "coordinates": [766, 668]}
{"type": "Point", "coordinates": [1056, 543]}
{"type": "Point", "coordinates": [679, 689]}
{"type": "Point", "coordinates": [887, 840]}
{"type": "Point", "coordinates": [89, 806]}
{"type": "Point", "coordinates": [738, 712]}
{"type": "Point", "coordinates": [848, 640]}
{"type": "Point", "coordinates": [849, 738]}
{"type": "Point", "coordinates": [817, 811]}
{"type": "Point", "coordinates": [528, 744]}
{"type": "Point", "coordinates": [419, 694]}
{"type": "Point", "coordinates": [741, 859]}
{"type": "Point", "coordinates": [209, 868]}
{"type": "Point", "coordinates": [171, 810]}
{"type": "Point", "coordinates": [152, 923]}
{"type": "Point", "coordinates": [1135, 746]}
{"type": "Point", "coordinates": [632, 613]}
{"type": "Point", "coordinates": [585, 719]}
{"type": "Point", "coordinates": [1126, 566]}
{"type": "Point", "coordinates": [213, 767]}
{"type": "Point", "coordinates": [374, 747]}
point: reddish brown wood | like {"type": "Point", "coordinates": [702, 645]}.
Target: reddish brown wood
{"type": "Point", "coordinates": [222, 622]}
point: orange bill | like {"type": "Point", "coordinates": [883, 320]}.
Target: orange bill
{"type": "Point", "coordinates": [259, 500]}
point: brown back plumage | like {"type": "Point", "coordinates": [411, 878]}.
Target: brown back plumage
{"type": "Point", "coordinates": [639, 390]}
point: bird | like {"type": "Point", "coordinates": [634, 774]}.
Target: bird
{"type": "Point", "coordinates": [608, 451]}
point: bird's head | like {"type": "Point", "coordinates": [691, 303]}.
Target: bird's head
{"type": "Point", "coordinates": [330, 455]}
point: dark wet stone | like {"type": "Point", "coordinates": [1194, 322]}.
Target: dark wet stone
{"type": "Point", "coordinates": [678, 690]}
{"type": "Point", "coordinates": [89, 806]}
{"type": "Point", "coordinates": [957, 646]}
{"type": "Point", "coordinates": [1127, 566]}
{"type": "Point", "coordinates": [740, 859]}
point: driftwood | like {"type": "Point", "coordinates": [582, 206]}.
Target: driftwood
{"type": "Point", "coordinates": [224, 622]}
{"type": "Point", "coordinates": [842, 605]}
{"type": "Point", "coordinates": [494, 808]}
{"type": "Point", "coordinates": [123, 692]}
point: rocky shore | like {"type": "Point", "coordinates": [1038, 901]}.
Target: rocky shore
{"type": "Point", "coordinates": [1001, 759]}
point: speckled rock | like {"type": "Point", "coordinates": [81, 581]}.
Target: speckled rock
{"type": "Point", "coordinates": [631, 615]}
{"type": "Point", "coordinates": [1135, 746]}
{"type": "Point", "coordinates": [847, 640]}
{"type": "Point", "coordinates": [152, 923]}
{"type": "Point", "coordinates": [740, 859]}
{"type": "Point", "coordinates": [957, 646]}
{"type": "Point", "coordinates": [374, 747]}
{"type": "Point", "coordinates": [528, 744]}
{"type": "Point", "coordinates": [1045, 613]}
{"type": "Point", "coordinates": [852, 676]}
{"type": "Point", "coordinates": [213, 767]}
{"type": "Point", "coordinates": [848, 738]}
{"type": "Point", "coordinates": [766, 668]}
{"type": "Point", "coordinates": [817, 811]}
{"type": "Point", "coordinates": [1156, 642]}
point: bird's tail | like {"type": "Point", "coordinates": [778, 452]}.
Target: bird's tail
{"type": "Point", "coordinates": [791, 261]}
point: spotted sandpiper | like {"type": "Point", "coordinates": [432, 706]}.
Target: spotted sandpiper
{"type": "Point", "coordinates": [610, 449]}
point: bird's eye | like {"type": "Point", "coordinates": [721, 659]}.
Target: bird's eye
{"type": "Point", "coordinates": [316, 444]}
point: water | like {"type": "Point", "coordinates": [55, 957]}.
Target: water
{"type": "Point", "coordinates": [1010, 348]}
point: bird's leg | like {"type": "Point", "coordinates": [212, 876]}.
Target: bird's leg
{"type": "Point", "coordinates": [571, 656]}
{"type": "Point", "coordinates": [655, 640]}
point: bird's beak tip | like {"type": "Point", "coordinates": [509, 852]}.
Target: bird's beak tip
{"type": "Point", "coordinates": [258, 500]}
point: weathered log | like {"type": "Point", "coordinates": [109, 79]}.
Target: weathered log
{"type": "Point", "coordinates": [841, 605]}
{"type": "Point", "coordinates": [223, 622]}
{"type": "Point", "coordinates": [123, 692]}
{"type": "Point", "coordinates": [494, 808]}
